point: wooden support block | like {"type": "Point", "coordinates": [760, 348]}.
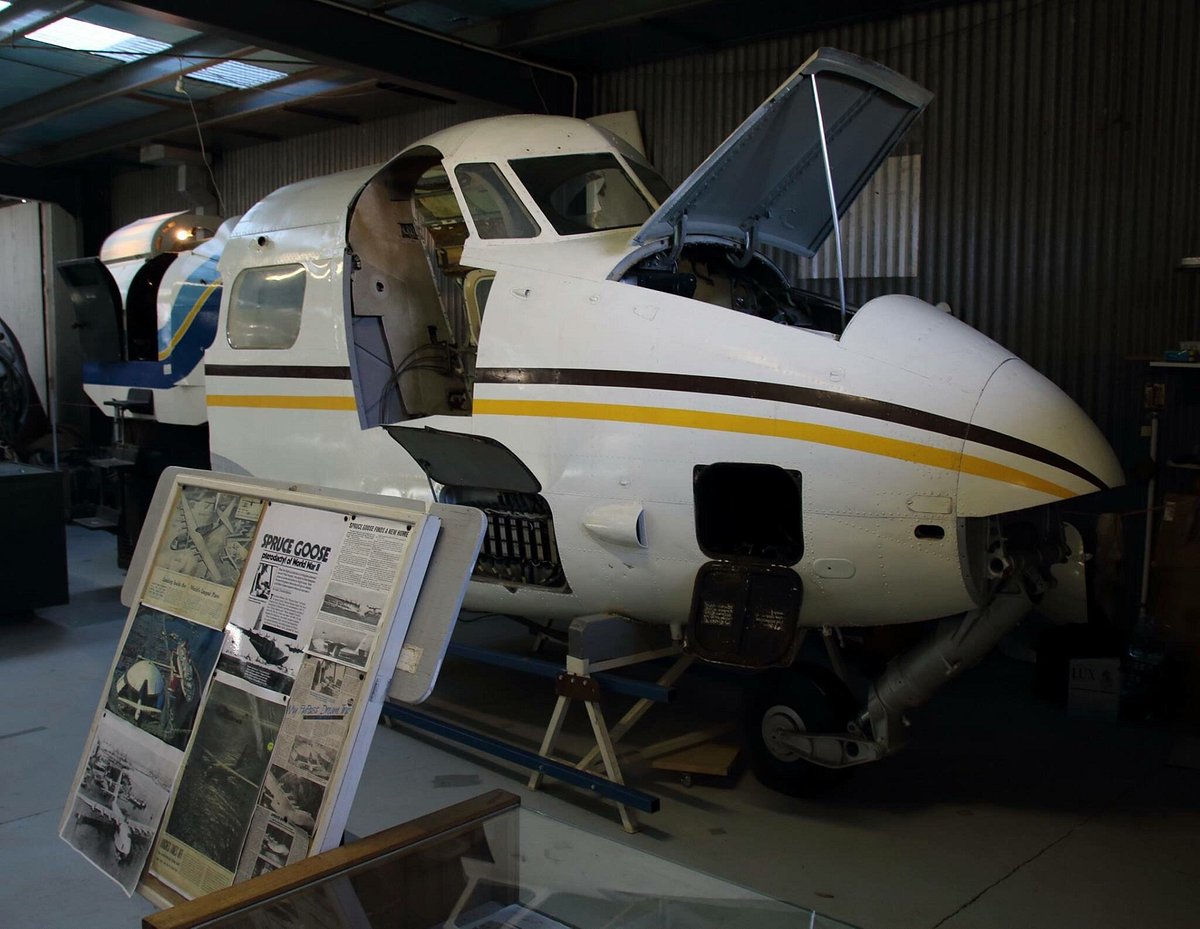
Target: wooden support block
{"type": "Point", "coordinates": [712, 759]}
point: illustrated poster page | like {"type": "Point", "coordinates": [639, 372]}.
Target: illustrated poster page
{"type": "Point", "coordinates": [222, 777]}
{"type": "Point", "coordinates": [119, 802]}
{"type": "Point", "coordinates": [161, 672]}
{"type": "Point", "coordinates": [347, 626]}
{"type": "Point", "coordinates": [277, 601]}
{"type": "Point", "coordinates": [201, 554]}
{"type": "Point", "coordinates": [311, 739]}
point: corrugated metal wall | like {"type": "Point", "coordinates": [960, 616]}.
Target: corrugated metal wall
{"type": "Point", "coordinates": [1060, 170]}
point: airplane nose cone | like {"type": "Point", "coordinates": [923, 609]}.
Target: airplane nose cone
{"type": "Point", "coordinates": [1029, 444]}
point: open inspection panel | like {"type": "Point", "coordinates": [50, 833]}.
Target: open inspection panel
{"type": "Point", "coordinates": [266, 622]}
{"type": "Point", "coordinates": [485, 863]}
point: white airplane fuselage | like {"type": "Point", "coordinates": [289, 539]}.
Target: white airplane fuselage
{"type": "Point", "coordinates": [612, 394]}
{"type": "Point", "coordinates": [519, 314]}
{"type": "Point", "coordinates": [613, 388]}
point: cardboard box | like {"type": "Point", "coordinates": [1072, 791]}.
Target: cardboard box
{"type": "Point", "coordinates": [1177, 544]}
{"type": "Point", "coordinates": [1094, 688]}
{"type": "Point", "coordinates": [1175, 606]}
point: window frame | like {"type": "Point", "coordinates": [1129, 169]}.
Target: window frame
{"type": "Point", "coordinates": [554, 217]}
{"type": "Point", "coordinates": [235, 315]}
{"type": "Point", "coordinates": [511, 186]}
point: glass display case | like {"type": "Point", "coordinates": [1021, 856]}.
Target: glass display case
{"type": "Point", "coordinates": [486, 864]}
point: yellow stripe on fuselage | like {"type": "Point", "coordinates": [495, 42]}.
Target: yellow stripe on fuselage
{"type": "Point", "coordinates": [282, 402]}
{"type": "Point", "coordinates": [819, 434]}
{"type": "Point", "coordinates": [187, 320]}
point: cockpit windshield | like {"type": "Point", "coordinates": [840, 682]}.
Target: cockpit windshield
{"type": "Point", "coordinates": [583, 193]}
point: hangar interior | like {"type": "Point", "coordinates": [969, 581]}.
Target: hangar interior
{"type": "Point", "coordinates": [1044, 195]}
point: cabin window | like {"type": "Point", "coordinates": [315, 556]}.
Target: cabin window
{"type": "Point", "coordinates": [583, 193]}
{"type": "Point", "coordinates": [264, 309]}
{"type": "Point", "coordinates": [494, 206]}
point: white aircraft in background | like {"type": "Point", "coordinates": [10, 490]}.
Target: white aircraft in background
{"type": "Point", "coordinates": [113, 819]}
{"type": "Point", "coordinates": [146, 309]}
{"type": "Point", "coordinates": [518, 314]}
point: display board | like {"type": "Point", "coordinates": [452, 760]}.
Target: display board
{"type": "Point", "coordinates": [441, 597]}
{"type": "Point", "coordinates": [263, 631]}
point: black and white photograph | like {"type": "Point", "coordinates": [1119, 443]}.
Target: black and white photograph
{"type": "Point", "coordinates": [119, 801]}
{"type": "Point", "coordinates": [161, 673]}
{"type": "Point", "coordinates": [261, 656]}
{"type": "Point", "coordinates": [223, 773]}
{"type": "Point", "coordinates": [276, 846]}
{"type": "Point", "coordinates": [201, 553]}
{"type": "Point", "coordinates": [341, 643]}
{"type": "Point", "coordinates": [312, 758]}
{"type": "Point", "coordinates": [263, 865]}
{"type": "Point", "coordinates": [294, 799]}
{"type": "Point", "coordinates": [209, 536]}
{"type": "Point", "coordinates": [362, 606]}
{"type": "Point", "coordinates": [328, 678]}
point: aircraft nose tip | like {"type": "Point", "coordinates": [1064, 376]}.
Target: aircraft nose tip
{"type": "Point", "coordinates": [1029, 444]}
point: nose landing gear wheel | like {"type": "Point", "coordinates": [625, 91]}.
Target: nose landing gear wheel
{"type": "Point", "coordinates": [803, 698]}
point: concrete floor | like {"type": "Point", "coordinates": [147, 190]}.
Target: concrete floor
{"type": "Point", "coordinates": [1002, 812]}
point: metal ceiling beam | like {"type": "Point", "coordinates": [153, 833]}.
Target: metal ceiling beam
{"type": "Point", "coordinates": [563, 20]}
{"type": "Point", "coordinates": [348, 37]}
{"type": "Point", "coordinates": [195, 53]}
{"type": "Point", "coordinates": [234, 105]}
{"type": "Point", "coordinates": [328, 115]}
{"type": "Point", "coordinates": [26, 16]}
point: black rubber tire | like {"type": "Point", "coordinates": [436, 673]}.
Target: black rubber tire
{"type": "Point", "coordinates": [821, 701]}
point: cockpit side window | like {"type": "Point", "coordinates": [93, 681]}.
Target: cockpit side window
{"type": "Point", "coordinates": [651, 180]}
{"type": "Point", "coordinates": [494, 206]}
{"type": "Point", "coordinates": [439, 219]}
{"type": "Point", "coordinates": [583, 193]}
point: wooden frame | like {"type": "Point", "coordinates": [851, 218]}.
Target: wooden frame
{"type": "Point", "coordinates": [444, 823]}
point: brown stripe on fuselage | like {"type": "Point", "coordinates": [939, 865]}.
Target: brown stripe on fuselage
{"type": "Point", "coordinates": [304, 372]}
{"type": "Point", "coordinates": [783, 393]}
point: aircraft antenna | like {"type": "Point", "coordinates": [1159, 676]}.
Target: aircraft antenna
{"type": "Point", "coordinates": [833, 211]}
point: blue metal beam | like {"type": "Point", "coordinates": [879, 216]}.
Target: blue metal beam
{"type": "Point", "coordinates": [568, 774]}
{"type": "Point", "coordinates": [643, 690]}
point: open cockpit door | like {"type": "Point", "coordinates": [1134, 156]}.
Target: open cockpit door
{"type": "Point", "coordinates": [766, 184]}
{"type": "Point", "coordinates": [412, 330]}
{"type": "Point", "coordinates": [97, 305]}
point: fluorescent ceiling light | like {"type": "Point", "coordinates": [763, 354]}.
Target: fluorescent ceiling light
{"type": "Point", "coordinates": [4, 4]}
{"type": "Point", "coordinates": [237, 74]}
{"type": "Point", "coordinates": [79, 36]}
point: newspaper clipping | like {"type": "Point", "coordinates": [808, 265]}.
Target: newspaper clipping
{"type": "Point", "coordinates": [310, 741]}
{"type": "Point", "coordinates": [359, 590]}
{"type": "Point", "coordinates": [222, 777]}
{"type": "Point", "coordinates": [277, 601]}
{"type": "Point", "coordinates": [119, 802]}
{"type": "Point", "coordinates": [161, 672]}
{"type": "Point", "coordinates": [271, 844]}
{"type": "Point", "coordinates": [201, 554]}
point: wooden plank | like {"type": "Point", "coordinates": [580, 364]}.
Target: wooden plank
{"type": "Point", "coordinates": [442, 823]}
{"type": "Point", "coordinates": [713, 758]}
